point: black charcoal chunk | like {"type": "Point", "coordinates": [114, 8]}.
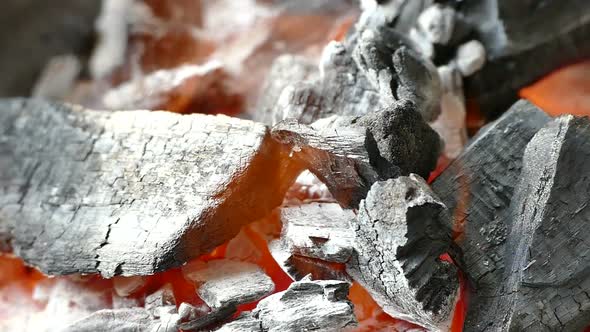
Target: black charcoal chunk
{"type": "Point", "coordinates": [401, 231]}
{"type": "Point", "coordinates": [349, 154]}
{"type": "Point", "coordinates": [478, 186]}
{"type": "Point", "coordinates": [546, 281]}
{"type": "Point", "coordinates": [524, 41]}
{"type": "Point", "coordinates": [285, 70]}
{"type": "Point", "coordinates": [129, 192]}
{"type": "Point", "coordinates": [305, 305]}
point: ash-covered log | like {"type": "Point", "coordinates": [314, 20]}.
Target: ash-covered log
{"type": "Point", "coordinates": [306, 305]}
{"type": "Point", "coordinates": [477, 189]}
{"type": "Point", "coordinates": [546, 281]}
{"type": "Point", "coordinates": [349, 154]}
{"type": "Point", "coordinates": [554, 33]}
{"type": "Point", "coordinates": [401, 232]}
{"type": "Point", "coordinates": [130, 192]}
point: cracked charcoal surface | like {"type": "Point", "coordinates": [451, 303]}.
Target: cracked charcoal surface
{"type": "Point", "coordinates": [554, 33]}
{"type": "Point", "coordinates": [244, 323]}
{"type": "Point", "coordinates": [319, 305]}
{"type": "Point", "coordinates": [224, 282]}
{"type": "Point", "coordinates": [298, 267]}
{"type": "Point", "coordinates": [128, 192]}
{"type": "Point", "coordinates": [341, 89]}
{"type": "Point", "coordinates": [546, 282]}
{"type": "Point", "coordinates": [478, 186]}
{"type": "Point", "coordinates": [349, 154]}
{"type": "Point", "coordinates": [318, 230]}
{"type": "Point", "coordinates": [128, 319]}
{"type": "Point", "coordinates": [401, 231]}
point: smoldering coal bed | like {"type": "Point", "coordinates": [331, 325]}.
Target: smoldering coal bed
{"type": "Point", "coordinates": [276, 165]}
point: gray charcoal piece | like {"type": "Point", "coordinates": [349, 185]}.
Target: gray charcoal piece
{"type": "Point", "coordinates": [341, 89]}
{"type": "Point", "coordinates": [128, 319]}
{"type": "Point", "coordinates": [438, 23]}
{"type": "Point", "coordinates": [224, 282]}
{"type": "Point", "coordinates": [307, 305]}
{"type": "Point", "coordinates": [478, 186]}
{"type": "Point", "coordinates": [129, 192]}
{"type": "Point", "coordinates": [161, 298]}
{"type": "Point", "coordinates": [546, 282]}
{"type": "Point", "coordinates": [349, 154]}
{"type": "Point", "coordinates": [401, 231]}
{"type": "Point", "coordinates": [397, 71]}
{"type": "Point", "coordinates": [299, 267]}
{"type": "Point", "coordinates": [285, 70]}
{"type": "Point", "coordinates": [318, 230]}
{"type": "Point", "coordinates": [213, 318]}
{"type": "Point", "coordinates": [524, 41]}
{"type": "Point", "coordinates": [244, 323]}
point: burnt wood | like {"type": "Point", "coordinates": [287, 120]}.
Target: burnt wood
{"type": "Point", "coordinates": [546, 282]}
{"type": "Point", "coordinates": [401, 231]}
{"type": "Point", "coordinates": [130, 192]}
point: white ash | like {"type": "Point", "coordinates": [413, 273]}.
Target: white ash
{"type": "Point", "coordinates": [437, 22]}
{"type": "Point", "coordinates": [225, 282]}
{"type": "Point", "coordinates": [470, 57]}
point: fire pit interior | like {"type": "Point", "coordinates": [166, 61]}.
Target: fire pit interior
{"type": "Point", "coordinates": [287, 165]}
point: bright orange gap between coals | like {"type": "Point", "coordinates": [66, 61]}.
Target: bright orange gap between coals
{"type": "Point", "coordinates": [565, 91]}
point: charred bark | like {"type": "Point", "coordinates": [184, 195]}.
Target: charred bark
{"type": "Point", "coordinates": [546, 282]}
{"type": "Point", "coordinates": [130, 192]}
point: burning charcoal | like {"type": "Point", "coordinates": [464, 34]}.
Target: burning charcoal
{"type": "Point", "coordinates": [478, 186]}
{"type": "Point", "coordinates": [348, 154]}
{"type": "Point", "coordinates": [322, 305]}
{"type": "Point", "coordinates": [470, 57]}
{"type": "Point", "coordinates": [546, 282]}
{"type": "Point", "coordinates": [285, 70]}
{"type": "Point", "coordinates": [307, 187]}
{"type": "Point", "coordinates": [318, 230]}
{"type": "Point", "coordinates": [222, 283]}
{"type": "Point", "coordinates": [401, 231]}
{"type": "Point", "coordinates": [523, 42]}
{"type": "Point", "coordinates": [132, 319]}
{"type": "Point", "coordinates": [130, 193]}
{"type": "Point", "coordinates": [244, 323]}
{"type": "Point", "coordinates": [438, 23]}
{"type": "Point", "coordinates": [213, 317]}
{"type": "Point", "coordinates": [418, 81]}
{"type": "Point", "coordinates": [298, 267]}
{"type": "Point", "coordinates": [341, 89]}
{"type": "Point", "coordinates": [182, 90]}
{"type": "Point", "coordinates": [398, 72]}
{"type": "Point", "coordinates": [163, 297]}
{"type": "Point", "coordinates": [125, 286]}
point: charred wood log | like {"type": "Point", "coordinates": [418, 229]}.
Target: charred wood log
{"type": "Point", "coordinates": [554, 33]}
{"type": "Point", "coordinates": [401, 231]}
{"type": "Point", "coordinates": [349, 154]}
{"type": "Point", "coordinates": [546, 281]}
{"type": "Point", "coordinates": [477, 189]}
{"type": "Point", "coordinates": [133, 192]}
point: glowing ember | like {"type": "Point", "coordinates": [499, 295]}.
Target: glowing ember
{"type": "Point", "coordinates": [565, 91]}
